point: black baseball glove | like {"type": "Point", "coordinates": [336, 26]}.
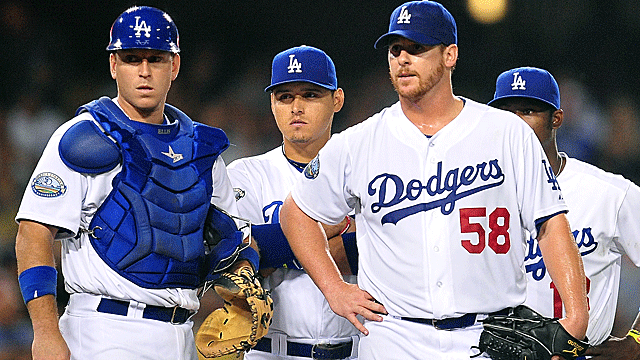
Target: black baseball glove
{"type": "Point", "coordinates": [526, 335]}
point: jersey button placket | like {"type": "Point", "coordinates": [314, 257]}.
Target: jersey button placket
{"type": "Point", "coordinates": [439, 277]}
{"type": "Point", "coordinates": [431, 239]}
{"type": "Point", "coordinates": [424, 236]}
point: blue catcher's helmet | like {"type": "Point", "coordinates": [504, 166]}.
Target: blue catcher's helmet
{"type": "Point", "coordinates": [144, 27]}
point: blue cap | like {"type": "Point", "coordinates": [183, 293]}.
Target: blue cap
{"type": "Point", "coordinates": [144, 27]}
{"type": "Point", "coordinates": [303, 63]}
{"type": "Point", "coordinates": [423, 22]}
{"type": "Point", "coordinates": [527, 82]}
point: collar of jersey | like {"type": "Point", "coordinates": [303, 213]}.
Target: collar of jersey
{"type": "Point", "coordinates": [297, 165]}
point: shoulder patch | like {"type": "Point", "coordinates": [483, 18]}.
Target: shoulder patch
{"type": "Point", "coordinates": [48, 185]}
{"type": "Point", "coordinates": [239, 193]}
{"type": "Point", "coordinates": [312, 170]}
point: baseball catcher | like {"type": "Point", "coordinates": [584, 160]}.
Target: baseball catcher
{"type": "Point", "coordinates": [526, 335]}
{"type": "Point", "coordinates": [236, 327]}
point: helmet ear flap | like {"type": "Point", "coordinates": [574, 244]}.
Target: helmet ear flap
{"type": "Point", "coordinates": [144, 27]}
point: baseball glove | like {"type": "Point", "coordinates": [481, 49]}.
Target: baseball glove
{"type": "Point", "coordinates": [526, 335]}
{"type": "Point", "coordinates": [236, 327]}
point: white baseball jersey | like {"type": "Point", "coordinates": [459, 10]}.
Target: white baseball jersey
{"type": "Point", "coordinates": [300, 310]}
{"type": "Point", "coordinates": [605, 219]}
{"type": "Point", "coordinates": [72, 207]}
{"type": "Point", "coordinates": [440, 219]}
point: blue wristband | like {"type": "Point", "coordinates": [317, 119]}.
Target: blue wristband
{"type": "Point", "coordinates": [38, 281]}
{"type": "Point", "coordinates": [275, 251]}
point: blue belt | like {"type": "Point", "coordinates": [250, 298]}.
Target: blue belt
{"type": "Point", "coordinates": [174, 315]}
{"type": "Point", "coordinates": [454, 323]}
{"type": "Point", "coordinates": [314, 351]}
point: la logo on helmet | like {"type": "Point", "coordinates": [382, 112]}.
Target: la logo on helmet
{"type": "Point", "coordinates": [142, 26]}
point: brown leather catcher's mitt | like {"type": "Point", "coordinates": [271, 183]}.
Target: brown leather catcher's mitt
{"type": "Point", "coordinates": [245, 317]}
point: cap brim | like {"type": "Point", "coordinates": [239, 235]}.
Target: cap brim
{"type": "Point", "coordinates": [326, 86]}
{"type": "Point", "coordinates": [510, 96]}
{"type": "Point", "coordinates": [111, 48]}
{"type": "Point", "coordinates": [408, 34]}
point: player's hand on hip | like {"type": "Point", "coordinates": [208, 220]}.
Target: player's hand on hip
{"type": "Point", "coordinates": [616, 349]}
{"type": "Point", "coordinates": [50, 347]}
{"type": "Point", "coordinates": [348, 301]}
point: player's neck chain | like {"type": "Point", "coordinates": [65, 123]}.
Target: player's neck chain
{"type": "Point", "coordinates": [562, 163]}
{"type": "Point", "coordinates": [298, 165]}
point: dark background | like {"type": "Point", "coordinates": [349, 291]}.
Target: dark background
{"type": "Point", "coordinates": [53, 53]}
{"type": "Point", "coordinates": [596, 41]}
{"type": "Point", "coordinates": [54, 60]}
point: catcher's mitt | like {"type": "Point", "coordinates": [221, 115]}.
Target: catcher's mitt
{"type": "Point", "coordinates": [245, 317]}
{"type": "Point", "coordinates": [526, 335]}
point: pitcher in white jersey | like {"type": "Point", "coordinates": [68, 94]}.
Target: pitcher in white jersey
{"type": "Point", "coordinates": [304, 98]}
{"type": "Point", "coordinates": [443, 189]}
{"type": "Point", "coordinates": [603, 213]}
{"type": "Point", "coordinates": [125, 186]}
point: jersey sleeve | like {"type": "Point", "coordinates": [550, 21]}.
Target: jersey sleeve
{"type": "Point", "coordinates": [539, 194]}
{"type": "Point", "coordinates": [323, 191]}
{"type": "Point", "coordinates": [628, 223]}
{"type": "Point", "coordinates": [55, 193]}
{"type": "Point", "coordinates": [246, 194]}
{"type": "Point", "coordinates": [222, 196]}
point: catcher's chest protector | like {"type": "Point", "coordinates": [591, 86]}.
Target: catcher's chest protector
{"type": "Point", "coordinates": [149, 228]}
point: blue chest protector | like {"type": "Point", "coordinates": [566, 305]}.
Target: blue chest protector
{"type": "Point", "coordinates": [149, 229]}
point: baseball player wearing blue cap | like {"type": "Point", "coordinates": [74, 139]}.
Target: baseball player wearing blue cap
{"type": "Point", "coordinates": [125, 186]}
{"type": "Point", "coordinates": [442, 188]}
{"type": "Point", "coordinates": [304, 98]}
{"type": "Point", "coordinates": [603, 214]}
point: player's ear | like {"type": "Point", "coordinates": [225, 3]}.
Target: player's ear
{"type": "Point", "coordinates": [112, 65]}
{"type": "Point", "coordinates": [338, 99]}
{"type": "Point", "coordinates": [556, 118]}
{"type": "Point", "coordinates": [450, 54]}
{"type": "Point", "coordinates": [175, 66]}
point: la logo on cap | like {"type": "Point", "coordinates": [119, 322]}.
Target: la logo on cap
{"type": "Point", "coordinates": [518, 82]}
{"type": "Point", "coordinates": [294, 64]}
{"type": "Point", "coordinates": [404, 17]}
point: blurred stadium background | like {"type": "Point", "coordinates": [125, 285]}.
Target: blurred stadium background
{"type": "Point", "coordinates": [54, 60]}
